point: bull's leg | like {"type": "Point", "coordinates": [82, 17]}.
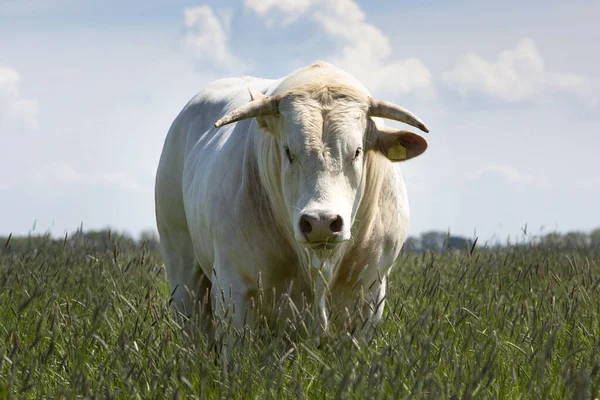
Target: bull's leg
{"type": "Point", "coordinates": [375, 303]}
{"type": "Point", "coordinates": [233, 301]}
{"type": "Point", "coordinates": [233, 306]}
{"type": "Point", "coordinates": [189, 285]}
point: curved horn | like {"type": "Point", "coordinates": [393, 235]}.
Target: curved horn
{"type": "Point", "coordinates": [385, 109]}
{"type": "Point", "coordinates": [260, 105]}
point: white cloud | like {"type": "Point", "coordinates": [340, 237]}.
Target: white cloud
{"type": "Point", "coordinates": [262, 7]}
{"type": "Point", "coordinates": [63, 173]}
{"type": "Point", "coordinates": [15, 110]}
{"type": "Point", "coordinates": [510, 174]}
{"type": "Point", "coordinates": [206, 36]}
{"type": "Point", "coordinates": [365, 51]}
{"type": "Point", "coordinates": [290, 9]}
{"type": "Point", "coordinates": [517, 74]}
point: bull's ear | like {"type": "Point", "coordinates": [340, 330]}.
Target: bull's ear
{"type": "Point", "coordinates": [397, 145]}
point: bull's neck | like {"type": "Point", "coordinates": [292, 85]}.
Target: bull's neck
{"type": "Point", "coordinates": [368, 210]}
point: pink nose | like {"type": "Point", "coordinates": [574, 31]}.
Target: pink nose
{"type": "Point", "coordinates": [321, 227]}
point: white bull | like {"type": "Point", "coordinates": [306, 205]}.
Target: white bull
{"type": "Point", "coordinates": [294, 180]}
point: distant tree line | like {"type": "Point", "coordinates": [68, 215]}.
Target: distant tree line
{"type": "Point", "coordinates": [444, 241]}
{"type": "Point", "coordinates": [109, 240]}
{"type": "Point", "coordinates": [437, 241]}
{"type": "Point", "coordinates": [570, 240]}
{"type": "Point", "coordinates": [90, 240]}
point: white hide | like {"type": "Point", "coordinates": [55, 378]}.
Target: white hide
{"type": "Point", "coordinates": [228, 201]}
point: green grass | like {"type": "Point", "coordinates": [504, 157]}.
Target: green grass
{"type": "Point", "coordinates": [510, 323]}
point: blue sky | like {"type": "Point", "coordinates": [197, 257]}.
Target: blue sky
{"type": "Point", "coordinates": [510, 90]}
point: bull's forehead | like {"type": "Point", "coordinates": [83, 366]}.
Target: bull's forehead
{"type": "Point", "coordinates": [323, 120]}
{"type": "Point", "coordinates": [303, 103]}
{"type": "Point", "coordinates": [320, 129]}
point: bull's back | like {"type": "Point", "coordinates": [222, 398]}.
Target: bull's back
{"type": "Point", "coordinates": [194, 122]}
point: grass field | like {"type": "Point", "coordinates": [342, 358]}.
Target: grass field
{"type": "Point", "coordinates": [509, 323]}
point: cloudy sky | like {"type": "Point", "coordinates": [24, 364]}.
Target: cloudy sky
{"type": "Point", "coordinates": [510, 90]}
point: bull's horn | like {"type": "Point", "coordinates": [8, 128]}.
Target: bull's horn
{"type": "Point", "coordinates": [260, 105]}
{"type": "Point", "coordinates": [385, 109]}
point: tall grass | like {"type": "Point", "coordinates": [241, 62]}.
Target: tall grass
{"type": "Point", "coordinates": [508, 323]}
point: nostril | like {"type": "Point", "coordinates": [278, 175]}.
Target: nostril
{"type": "Point", "coordinates": [336, 225]}
{"type": "Point", "coordinates": [305, 225]}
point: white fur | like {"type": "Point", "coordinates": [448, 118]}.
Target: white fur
{"type": "Point", "coordinates": [228, 202]}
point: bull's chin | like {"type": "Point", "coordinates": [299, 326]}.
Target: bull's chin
{"type": "Point", "coordinates": [324, 245]}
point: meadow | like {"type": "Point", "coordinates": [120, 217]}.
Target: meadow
{"type": "Point", "coordinates": [507, 323]}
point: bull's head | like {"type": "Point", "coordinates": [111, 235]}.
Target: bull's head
{"type": "Point", "coordinates": [324, 133]}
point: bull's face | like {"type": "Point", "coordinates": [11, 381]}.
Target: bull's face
{"type": "Point", "coordinates": [322, 154]}
{"type": "Point", "coordinates": [323, 134]}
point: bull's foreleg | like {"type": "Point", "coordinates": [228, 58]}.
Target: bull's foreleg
{"type": "Point", "coordinates": [374, 304]}
{"type": "Point", "coordinates": [232, 306]}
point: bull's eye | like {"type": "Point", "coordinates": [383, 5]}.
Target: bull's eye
{"type": "Point", "coordinates": [357, 153]}
{"type": "Point", "coordinates": [288, 154]}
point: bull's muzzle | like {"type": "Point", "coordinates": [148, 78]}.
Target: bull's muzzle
{"type": "Point", "coordinates": [321, 228]}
